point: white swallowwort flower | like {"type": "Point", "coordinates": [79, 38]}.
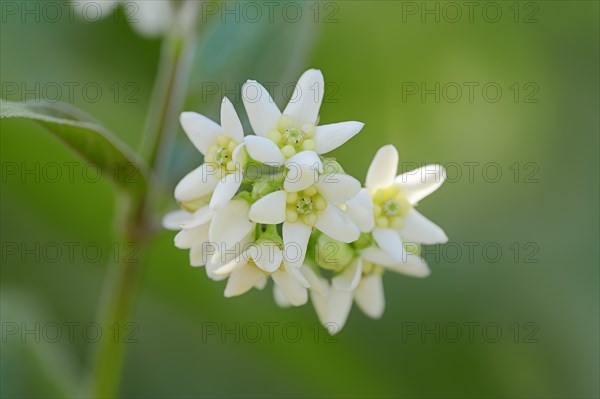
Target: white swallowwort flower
{"type": "Point", "coordinates": [316, 206]}
{"type": "Point", "coordinates": [148, 18]}
{"type": "Point", "coordinates": [206, 232]}
{"type": "Point", "coordinates": [254, 262]}
{"type": "Point", "coordinates": [221, 174]}
{"type": "Point", "coordinates": [392, 231]}
{"type": "Point", "coordinates": [282, 137]}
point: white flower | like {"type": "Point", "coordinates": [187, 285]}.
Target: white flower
{"type": "Point", "coordinates": [254, 263]}
{"type": "Point", "coordinates": [148, 18]}
{"type": "Point", "coordinates": [394, 200]}
{"type": "Point", "coordinates": [392, 230]}
{"type": "Point", "coordinates": [315, 206]}
{"type": "Point", "coordinates": [224, 159]}
{"type": "Point", "coordinates": [206, 233]}
{"type": "Point", "coordinates": [281, 136]}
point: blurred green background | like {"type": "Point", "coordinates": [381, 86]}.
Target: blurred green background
{"type": "Point", "coordinates": [370, 52]}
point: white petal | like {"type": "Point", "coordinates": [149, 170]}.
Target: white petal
{"type": "Point", "coordinates": [302, 171]}
{"type": "Point", "coordinates": [231, 224]}
{"type": "Point", "coordinates": [236, 263]}
{"type": "Point", "coordinates": [261, 283]}
{"type": "Point", "coordinates": [349, 278]}
{"type": "Point", "coordinates": [189, 238]}
{"type": "Point", "coordinates": [295, 241]}
{"type": "Point", "coordinates": [230, 121]}
{"type": "Point", "coordinates": [419, 183]}
{"type": "Point", "coordinates": [238, 156]}
{"type": "Point", "coordinates": [307, 97]}
{"type": "Point", "coordinates": [382, 170]}
{"type": "Point", "coordinates": [225, 190]}
{"type": "Point", "coordinates": [270, 209]}
{"type": "Point", "coordinates": [296, 272]}
{"type": "Point", "coordinates": [198, 255]}
{"type": "Point", "coordinates": [389, 240]}
{"type": "Point", "coordinates": [369, 295]}
{"type": "Point", "coordinates": [264, 150]}
{"type": "Point", "coordinates": [242, 280]}
{"type": "Point", "coordinates": [267, 256]}
{"type": "Point", "coordinates": [414, 266]}
{"type": "Point", "coordinates": [360, 209]}
{"type": "Point", "coordinates": [260, 107]}
{"type": "Point", "coordinates": [280, 299]}
{"type": "Point", "coordinates": [201, 216]}
{"type": "Point", "coordinates": [329, 137]}
{"type": "Point", "coordinates": [201, 131]}
{"type": "Point", "coordinates": [199, 183]}
{"type": "Point", "coordinates": [333, 222]}
{"type": "Point", "coordinates": [173, 220]}
{"type": "Point", "coordinates": [295, 292]}
{"type": "Point", "coordinates": [339, 304]}
{"type": "Point", "coordinates": [338, 187]}
{"type": "Point", "coordinates": [315, 282]}
{"type": "Point", "coordinates": [418, 229]}
{"type": "Point", "coordinates": [378, 256]}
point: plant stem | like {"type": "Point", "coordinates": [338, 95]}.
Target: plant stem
{"type": "Point", "coordinates": [135, 216]}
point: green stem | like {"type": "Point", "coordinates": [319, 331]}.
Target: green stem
{"type": "Point", "coordinates": [135, 216]}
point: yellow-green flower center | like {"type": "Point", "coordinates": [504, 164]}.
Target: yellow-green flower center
{"type": "Point", "coordinates": [305, 205]}
{"type": "Point", "coordinates": [220, 153]}
{"type": "Point", "coordinates": [389, 207]}
{"type": "Point", "coordinates": [369, 268]}
{"type": "Point", "coordinates": [292, 139]}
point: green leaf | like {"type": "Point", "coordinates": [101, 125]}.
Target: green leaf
{"type": "Point", "coordinates": [91, 141]}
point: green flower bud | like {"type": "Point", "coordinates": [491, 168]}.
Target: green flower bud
{"type": "Point", "coordinates": [330, 165]}
{"type": "Point", "coordinates": [331, 254]}
{"type": "Point", "coordinates": [264, 187]}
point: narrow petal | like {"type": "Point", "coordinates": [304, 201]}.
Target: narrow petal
{"type": "Point", "coordinates": [230, 121]}
{"type": "Point", "coordinates": [414, 266]}
{"type": "Point", "coordinates": [267, 256]}
{"type": "Point", "coordinates": [333, 222]}
{"type": "Point", "coordinates": [280, 299]}
{"type": "Point", "coordinates": [242, 280]}
{"type": "Point", "coordinates": [201, 216]}
{"type": "Point", "coordinates": [230, 225]}
{"type": "Point", "coordinates": [349, 278]}
{"type": "Point", "coordinates": [199, 183]}
{"type": "Point", "coordinates": [329, 137]}
{"type": "Point", "coordinates": [175, 219]}
{"type": "Point", "coordinates": [189, 238]}
{"type": "Point", "coordinates": [295, 241]}
{"type": "Point", "coordinates": [270, 209]}
{"type": "Point", "coordinates": [307, 97]}
{"type": "Point", "coordinates": [315, 282]}
{"type": "Point", "coordinates": [360, 209]}
{"type": "Point", "coordinates": [369, 295]}
{"type": "Point", "coordinates": [389, 240]}
{"type": "Point", "coordinates": [225, 190]}
{"type": "Point", "coordinates": [383, 168]}
{"type": "Point", "coordinates": [295, 292]}
{"type": "Point", "coordinates": [296, 272]}
{"type": "Point", "coordinates": [260, 107]}
{"type": "Point", "coordinates": [302, 171]}
{"type": "Point", "coordinates": [321, 305]}
{"type": "Point", "coordinates": [418, 229]}
{"type": "Point", "coordinates": [261, 283]}
{"type": "Point", "coordinates": [198, 255]}
{"type": "Point", "coordinates": [419, 183]}
{"type": "Point", "coordinates": [378, 256]}
{"type": "Point", "coordinates": [339, 304]}
{"type": "Point", "coordinates": [232, 266]}
{"type": "Point", "coordinates": [201, 131]}
{"type": "Point", "coordinates": [264, 150]}
{"type": "Point", "coordinates": [338, 187]}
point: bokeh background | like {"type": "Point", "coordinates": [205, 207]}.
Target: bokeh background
{"type": "Point", "coordinates": [544, 219]}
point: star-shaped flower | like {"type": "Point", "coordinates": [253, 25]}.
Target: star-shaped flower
{"type": "Point", "coordinates": [224, 159]}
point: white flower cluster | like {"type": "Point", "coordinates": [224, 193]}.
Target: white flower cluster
{"type": "Point", "coordinates": [271, 205]}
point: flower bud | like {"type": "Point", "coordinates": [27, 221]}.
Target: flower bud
{"type": "Point", "coordinates": [331, 254]}
{"type": "Point", "coordinates": [264, 187]}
